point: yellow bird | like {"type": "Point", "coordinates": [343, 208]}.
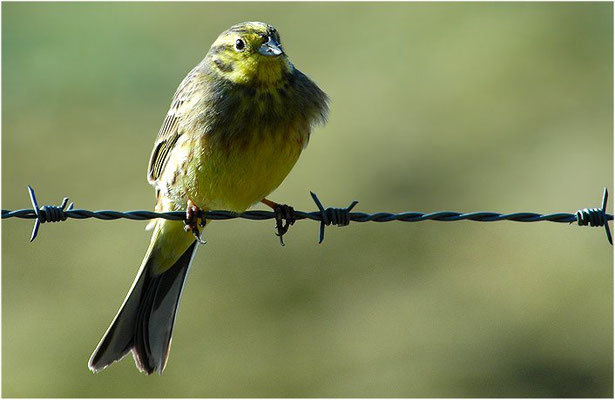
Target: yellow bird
{"type": "Point", "coordinates": [235, 128]}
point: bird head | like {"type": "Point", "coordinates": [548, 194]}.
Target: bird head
{"type": "Point", "coordinates": [249, 53]}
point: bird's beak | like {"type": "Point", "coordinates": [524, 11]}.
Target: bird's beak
{"type": "Point", "coordinates": [271, 48]}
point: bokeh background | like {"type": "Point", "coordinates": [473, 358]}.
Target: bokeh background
{"type": "Point", "coordinates": [465, 107]}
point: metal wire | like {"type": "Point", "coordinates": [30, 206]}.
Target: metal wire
{"type": "Point", "coordinates": [326, 216]}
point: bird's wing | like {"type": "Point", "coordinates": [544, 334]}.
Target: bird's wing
{"type": "Point", "coordinates": [169, 131]}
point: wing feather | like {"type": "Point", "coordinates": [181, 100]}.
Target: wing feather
{"type": "Point", "coordinates": [170, 130]}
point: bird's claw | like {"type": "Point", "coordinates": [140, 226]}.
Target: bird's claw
{"type": "Point", "coordinates": [284, 218]}
{"type": "Point", "coordinates": [191, 223]}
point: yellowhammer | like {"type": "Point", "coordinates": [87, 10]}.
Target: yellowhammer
{"type": "Point", "coordinates": [236, 127]}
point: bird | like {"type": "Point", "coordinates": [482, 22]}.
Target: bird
{"type": "Point", "coordinates": [235, 128]}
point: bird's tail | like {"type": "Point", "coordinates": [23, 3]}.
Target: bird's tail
{"type": "Point", "coordinates": [144, 324]}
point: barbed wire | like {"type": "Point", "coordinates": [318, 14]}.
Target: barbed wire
{"type": "Point", "coordinates": [326, 216]}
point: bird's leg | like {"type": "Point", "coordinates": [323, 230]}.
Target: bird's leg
{"type": "Point", "coordinates": [283, 217]}
{"type": "Point", "coordinates": [192, 221]}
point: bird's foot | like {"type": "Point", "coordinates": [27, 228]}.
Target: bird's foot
{"type": "Point", "coordinates": [284, 218]}
{"type": "Point", "coordinates": [191, 223]}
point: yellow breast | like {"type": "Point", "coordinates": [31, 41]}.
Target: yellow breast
{"type": "Point", "coordinates": [234, 174]}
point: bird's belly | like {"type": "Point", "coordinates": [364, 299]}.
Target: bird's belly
{"type": "Point", "coordinates": [235, 175]}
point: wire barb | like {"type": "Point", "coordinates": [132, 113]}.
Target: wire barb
{"type": "Point", "coordinates": [335, 216]}
{"type": "Point", "coordinates": [596, 216]}
{"type": "Point", "coordinates": [47, 213]}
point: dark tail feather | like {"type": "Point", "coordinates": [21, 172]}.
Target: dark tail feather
{"type": "Point", "coordinates": [144, 324]}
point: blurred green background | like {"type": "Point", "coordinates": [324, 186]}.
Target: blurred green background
{"type": "Point", "coordinates": [466, 107]}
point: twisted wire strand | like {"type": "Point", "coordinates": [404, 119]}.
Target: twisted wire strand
{"type": "Point", "coordinates": [326, 216]}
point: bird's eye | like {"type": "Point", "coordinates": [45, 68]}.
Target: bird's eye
{"type": "Point", "coordinates": [239, 44]}
{"type": "Point", "coordinates": [265, 38]}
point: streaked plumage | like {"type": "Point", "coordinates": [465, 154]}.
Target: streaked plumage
{"type": "Point", "coordinates": [236, 126]}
